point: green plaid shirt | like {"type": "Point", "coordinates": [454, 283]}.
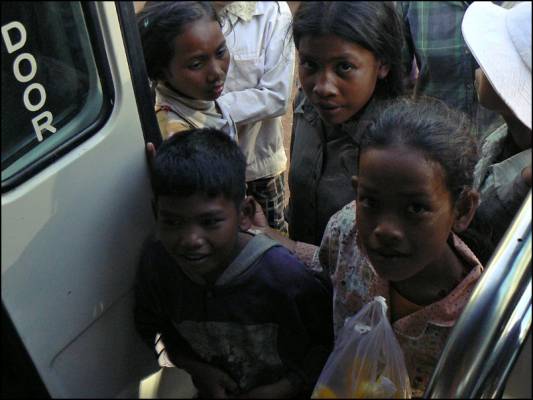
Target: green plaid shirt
{"type": "Point", "coordinates": [446, 66]}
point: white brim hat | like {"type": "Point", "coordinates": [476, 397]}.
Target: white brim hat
{"type": "Point", "coordinates": [500, 40]}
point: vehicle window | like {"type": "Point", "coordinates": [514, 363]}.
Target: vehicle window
{"type": "Point", "coordinates": [51, 89]}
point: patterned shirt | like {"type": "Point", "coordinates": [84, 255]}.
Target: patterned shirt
{"type": "Point", "coordinates": [422, 333]}
{"type": "Point", "coordinates": [176, 113]}
{"type": "Point", "coordinates": [446, 66]}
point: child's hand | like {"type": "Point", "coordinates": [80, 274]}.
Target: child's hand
{"type": "Point", "coordinates": [278, 390]}
{"type": "Point", "coordinates": [212, 382]}
{"type": "Point", "coordinates": [259, 220]}
{"type": "Point", "coordinates": [260, 225]}
{"type": "Point", "coordinates": [150, 154]}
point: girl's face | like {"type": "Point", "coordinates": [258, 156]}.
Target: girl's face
{"type": "Point", "coordinates": [201, 60]}
{"type": "Point", "coordinates": [404, 211]}
{"type": "Point", "coordinates": [337, 76]}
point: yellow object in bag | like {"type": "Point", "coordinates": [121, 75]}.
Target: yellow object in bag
{"type": "Point", "coordinates": [367, 361]}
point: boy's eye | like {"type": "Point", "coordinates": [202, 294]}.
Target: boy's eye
{"type": "Point", "coordinates": [309, 65]}
{"type": "Point", "coordinates": [211, 222]}
{"type": "Point", "coordinates": [195, 65]}
{"type": "Point", "coordinates": [345, 67]}
{"type": "Point", "coordinates": [221, 52]}
{"type": "Point", "coordinates": [171, 222]}
{"type": "Point", "coordinates": [417, 209]}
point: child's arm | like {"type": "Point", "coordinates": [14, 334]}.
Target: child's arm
{"type": "Point", "coordinates": [270, 97]}
{"type": "Point", "coordinates": [316, 312]}
{"type": "Point", "coordinates": [210, 381]}
{"type": "Point", "coordinates": [148, 311]}
{"type": "Point", "coordinates": [304, 251]}
{"type": "Point", "coordinates": [312, 304]}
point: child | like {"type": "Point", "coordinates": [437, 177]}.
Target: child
{"type": "Point", "coordinates": [349, 54]}
{"type": "Point", "coordinates": [187, 59]}
{"type": "Point", "coordinates": [257, 92]}
{"type": "Point", "coordinates": [414, 196]}
{"type": "Point", "coordinates": [239, 313]}
{"type": "Point", "coordinates": [444, 63]}
{"type": "Point", "coordinates": [500, 40]}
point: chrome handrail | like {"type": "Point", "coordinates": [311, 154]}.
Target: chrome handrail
{"type": "Point", "coordinates": [486, 339]}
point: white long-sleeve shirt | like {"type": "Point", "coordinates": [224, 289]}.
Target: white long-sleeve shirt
{"type": "Point", "coordinates": [259, 81]}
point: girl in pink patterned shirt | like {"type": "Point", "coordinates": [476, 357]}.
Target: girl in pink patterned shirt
{"type": "Point", "coordinates": [414, 197]}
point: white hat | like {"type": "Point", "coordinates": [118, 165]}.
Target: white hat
{"type": "Point", "coordinates": [500, 40]}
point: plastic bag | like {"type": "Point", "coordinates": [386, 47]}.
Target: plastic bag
{"type": "Point", "coordinates": [367, 361]}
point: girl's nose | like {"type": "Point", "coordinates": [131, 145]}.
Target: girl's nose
{"type": "Point", "coordinates": [388, 232]}
{"type": "Point", "coordinates": [325, 85]}
{"type": "Point", "coordinates": [216, 72]}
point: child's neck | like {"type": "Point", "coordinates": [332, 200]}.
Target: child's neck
{"type": "Point", "coordinates": [183, 96]}
{"type": "Point", "coordinates": [242, 239]}
{"type": "Point", "coordinates": [435, 282]}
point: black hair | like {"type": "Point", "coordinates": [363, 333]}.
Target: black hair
{"type": "Point", "coordinates": [445, 136]}
{"type": "Point", "coordinates": [374, 25]}
{"type": "Point", "coordinates": [205, 161]}
{"type": "Point", "coordinates": [159, 22]}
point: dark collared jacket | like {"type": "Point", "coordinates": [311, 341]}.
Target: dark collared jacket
{"type": "Point", "coordinates": [323, 161]}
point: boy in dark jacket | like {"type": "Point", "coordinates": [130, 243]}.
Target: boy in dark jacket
{"type": "Point", "coordinates": [241, 314]}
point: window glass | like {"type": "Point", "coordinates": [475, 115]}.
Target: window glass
{"type": "Point", "coordinates": [51, 90]}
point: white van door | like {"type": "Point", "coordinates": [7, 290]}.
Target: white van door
{"type": "Point", "coordinates": [75, 194]}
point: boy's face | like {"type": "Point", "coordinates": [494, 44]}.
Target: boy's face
{"type": "Point", "coordinates": [199, 232]}
{"type": "Point", "coordinates": [201, 61]}
{"type": "Point", "coordinates": [404, 210]}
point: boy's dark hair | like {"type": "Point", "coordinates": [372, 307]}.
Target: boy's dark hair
{"type": "Point", "coordinates": [445, 136]}
{"type": "Point", "coordinates": [203, 161]}
{"type": "Point", "coordinates": [374, 25]}
{"type": "Point", "coordinates": [159, 22]}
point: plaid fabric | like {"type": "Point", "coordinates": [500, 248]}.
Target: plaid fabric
{"type": "Point", "coordinates": [446, 66]}
{"type": "Point", "coordinates": [270, 194]}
